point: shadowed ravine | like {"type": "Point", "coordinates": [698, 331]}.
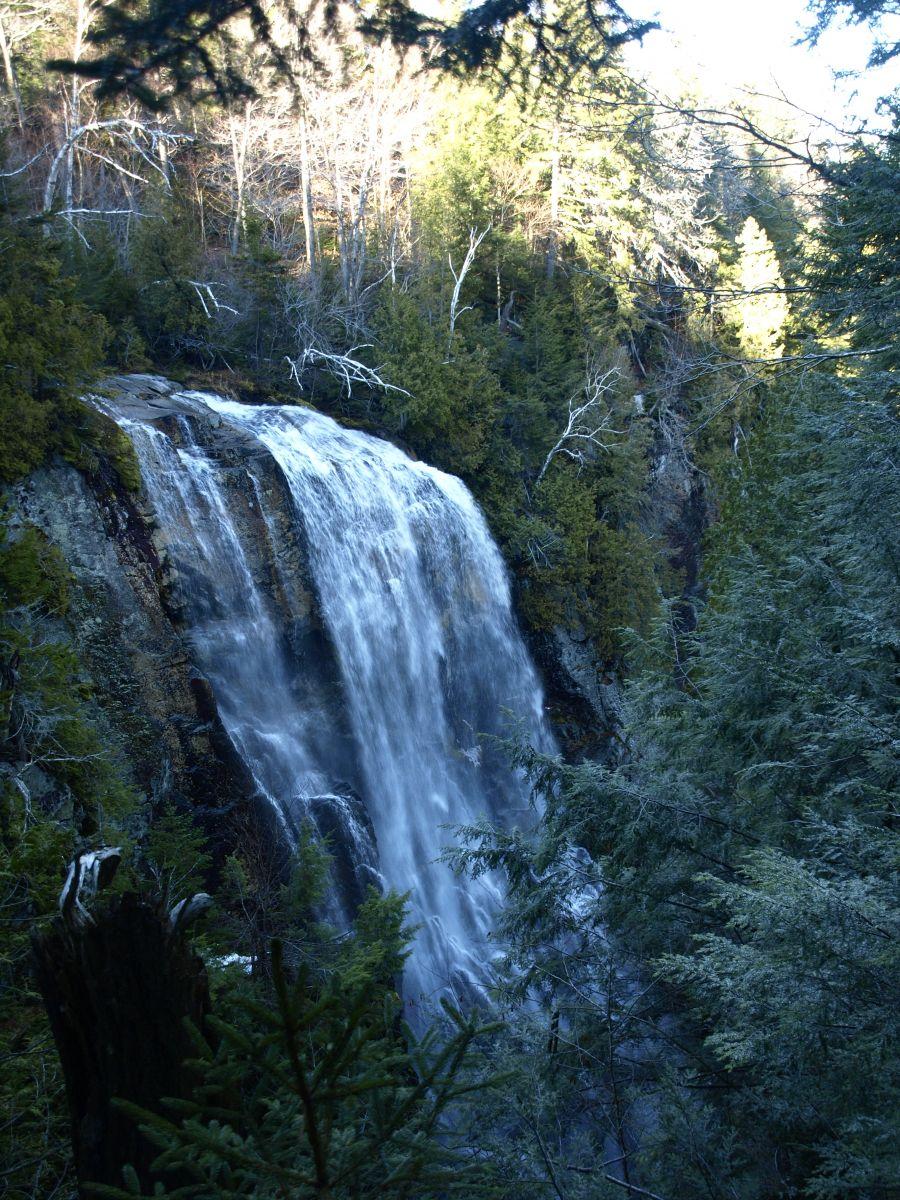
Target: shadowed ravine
{"type": "Point", "coordinates": [415, 602]}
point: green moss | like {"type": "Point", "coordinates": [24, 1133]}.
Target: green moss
{"type": "Point", "coordinates": [32, 571]}
{"type": "Point", "coordinates": [96, 437]}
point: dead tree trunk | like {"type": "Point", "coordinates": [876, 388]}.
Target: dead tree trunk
{"type": "Point", "coordinates": [117, 985]}
{"type": "Point", "coordinates": [9, 71]}
{"type": "Point", "coordinates": [240, 143]}
{"type": "Point", "coordinates": [306, 200]}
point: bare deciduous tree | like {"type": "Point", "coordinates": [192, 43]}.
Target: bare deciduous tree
{"type": "Point", "coordinates": [590, 419]}
{"type": "Point", "coordinates": [475, 240]}
{"type": "Point", "coordinates": [138, 137]}
{"type": "Point", "coordinates": [20, 21]}
{"type": "Point", "coordinates": [345, 367]}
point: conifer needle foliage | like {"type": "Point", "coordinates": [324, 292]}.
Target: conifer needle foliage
{"type": "Point", "coordinates": [323, 1090]}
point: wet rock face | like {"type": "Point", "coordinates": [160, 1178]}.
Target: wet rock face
{"type": "Point", "coordinates": [151, 698]}
{"type": "Point", "coordinates": [679, 510]}
{"type": "Point", "coordinates": [123, 620]}
{"type": "Point", "coordinates": [584, 697]}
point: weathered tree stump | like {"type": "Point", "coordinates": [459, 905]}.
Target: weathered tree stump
{"type": "Point", "coordinates": [118, 985]}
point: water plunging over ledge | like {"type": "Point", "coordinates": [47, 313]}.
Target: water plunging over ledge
{"type": "Point", "coordinates": [415, 601]}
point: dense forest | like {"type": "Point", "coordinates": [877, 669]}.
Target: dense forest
{"type": "Point", "coordinates": [655, 336]}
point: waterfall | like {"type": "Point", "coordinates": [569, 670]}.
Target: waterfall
{"type": "Point", "coordinates": [415, 600]}
{"type": "Point", "coordinates": [233, 632]}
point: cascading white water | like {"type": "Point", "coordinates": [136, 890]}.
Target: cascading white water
{"type": "Point", "coordinates": [416, 602]}
{"type": "Point", "coordinates": [233, 632]}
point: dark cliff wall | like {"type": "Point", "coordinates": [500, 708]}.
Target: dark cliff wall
{"type": "Point", "coordinates": [157, 707]}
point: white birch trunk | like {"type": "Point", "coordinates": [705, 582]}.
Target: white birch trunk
{"type": "Point", "coordinates": [10, 72]}
{"type": "Point", "coordinates": [309, 232]}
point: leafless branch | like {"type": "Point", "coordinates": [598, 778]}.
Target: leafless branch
{"type": "Point", "coordinates": [205, 289]}
{"type": "Point", "coordinates": [344, 367]}
{"type": "Point", "coordinates": [126, 129]}
{"type": "Point", "coordinates": [24, 166]}
{"type": "Point", "coordinates": [475, 240]}
{"type": "Point", "coordinates": [589, 422]}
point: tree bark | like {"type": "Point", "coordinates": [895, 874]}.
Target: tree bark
{"type": "Point", "coordinates": [117, 989]}
{"type": "Point", "coordinates": [10, 72]}
{"type": "Point", "coordinates": [309, 231]}
{"type": "Point", "coordinates": [82, 22]}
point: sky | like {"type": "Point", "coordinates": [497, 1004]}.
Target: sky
{"type": "Point", "coordinates": [735, 43]}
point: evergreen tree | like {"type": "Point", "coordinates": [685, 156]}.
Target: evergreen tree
{"type": "Point", "coordinates": [730, 888]}
{"type": "Point", "coordinates": [50, 344]}
{"type": "Point", "coordinates": [320, 1090]}
{"type": "Point", "coordinates": [763, 308]}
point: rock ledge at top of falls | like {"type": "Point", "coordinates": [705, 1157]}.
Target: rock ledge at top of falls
{"type": "Point", "coordinates": [156, 399]}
